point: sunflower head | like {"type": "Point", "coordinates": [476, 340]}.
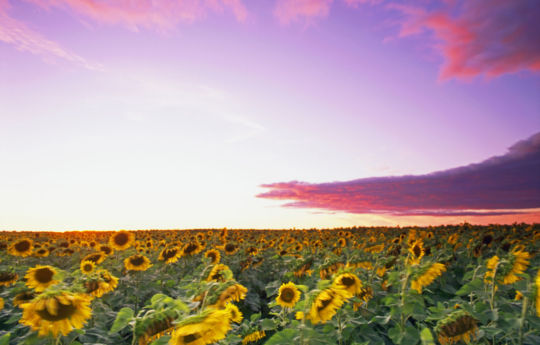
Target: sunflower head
{"type": "Point", "coordinates": [87, 266]}
{"type": "Point", "coordinates": [40, 277]}
{"type": "Point", "coordinates": [42, 252]}
{"type": "Point", "coordinates": [230, 248]}
{"type": "Point", "coordinates": [170, 255]}
{"type": "Point", "coordinates": [416, 252]}
{"type": "Point", "coordinates": [457, 326]}
{"type": "Point", "coordinates": [192, 248]}
{"type": "Point", "coordinates": [213, 255]}
{"type": "Point", "coordinates": [97, 257]}
{"type": "Point", "coordinates": [326, 303]}
{"type": "Point", "coordinates": [137, 263]}
{"type": "Point", "coordinates": [8, 278]}
{"type": "Point", "coordinates": [24, 297]}
{"type": "Point", "coordinates": [235, 313]}
{"type": "Point", "coordinates": [121, 240]}
{"type": "Point", "coordinates": [22, 247]}
{"type": "Point", "coordinates": [349, 282]}
{"type": "Point", "coordinates": [53, 314]}
{"type": "Point", "coordinates": [220, 273]}
{"type": "Point", "coordinates": [288, 295]}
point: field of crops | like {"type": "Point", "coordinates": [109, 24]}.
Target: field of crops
{"type": "Point", "coordinates": [436, 285]}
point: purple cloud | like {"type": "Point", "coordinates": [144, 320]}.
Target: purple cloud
{"type": "Point", "coordinates": [500, 185]}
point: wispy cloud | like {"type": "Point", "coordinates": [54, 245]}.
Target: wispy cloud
{"type": "Point", "coordinates": [501, 185]}
{"type": "Point", "coordinates": [288, 11]}
{"type": "Point", "coordinates": [18, 34]}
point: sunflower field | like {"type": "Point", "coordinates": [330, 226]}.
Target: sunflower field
{"type": "Point", "coordinates": [460, 284]}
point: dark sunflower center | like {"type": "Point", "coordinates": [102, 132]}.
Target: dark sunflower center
{"type": "Point", "coordinates": [7, 276]}
{"type": "Point", "coordinates": [137, 261]}
{"type": "Point", "coordinates": [25, 296]}
{"type": "Point", "coordinates": [347, 281]}
{"type": "Point", "coordinates": [22, 246]}
{"type": "Point", "coordinates": [42, 251]}
{"type": "Point", "coordinates": [230, 247]}
{"type": "Point", "coordinates": [417, 251]}
{"type": "Point", "coordinates": [459, 326]}
{"type": "Point", "coordinates": [91, 286]}
{"type": "Point", "coordinates": [487, 239]}
{"type": "Point", "coordinates": [87, 267]}
{"type": "Point", "coordinates": [287, 295]}
{"type": "Point", "coordinates": [190, 248]}
{"type": "Point", "coordinates": [105, 250]}
{"type": "Point", "coordinates": [43, 275]}
{"type": "Point", "coordinates": [191, 338]}
{"type": "Point", "coordinates": [325, 303]}
{"type": "Point", "coordinates": [94, 257]}
{"type": "Point", "coordinates": [63, 312]}
{"type": "Point", "coordinates": [121, 239]}
{"type": "Point", "coordinates": [167, 254]}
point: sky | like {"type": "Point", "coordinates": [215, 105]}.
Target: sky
{"type": "Point", "coordinates": [268, 114]}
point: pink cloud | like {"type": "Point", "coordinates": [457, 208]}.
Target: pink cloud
{"type": "Point", "coordinates": [498, 186]}
{"type": "Point", "coordinates": [487, 38]}
{"type": "Point", "coordinates": [18, 34]}
{"type": "Point", "coordinates": [288, 11]}
{"type": "Point", "coordinates": [162, 14]}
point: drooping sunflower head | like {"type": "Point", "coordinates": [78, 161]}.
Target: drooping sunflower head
{"type": "Point", "coordinates": [349, 282]}
{"type": "Point", "coordinates": [103, 282]}
{"type": "Point", "coordinates": [22, 247]}
{"type": "Point", "coordinates": [253, 337]}
{"type": "Point", "coordinates": [170, 255]}
{"type": "Point", "coordinates": [97, 257]}
{"type": "Point", "coordinates": [231, 292]}
{"type": "Point", "coordinates": [519, 260]}
{"type": "Point", "coordinates": [137, 263]}
{"type": "Point", "coordinates": [220, 273]}
{"type": "Point", "coordinates": [42, 252]}
{"type": "Point", "coordinates": [288, 295]}
{"type": "Point", "coordinates": [234, 312]}
{"type": "Point", "coordinates": [427, 275]}
{"type": "Point", "coordinates": [87, 266]}
{"type": "Point", "coordinates": [40, 277]}
{"type": "Point", "coordinates": [192, 248]}
{"type": "Point", "coordinates": [23, 297]}
{"type": "Point", "coordinates": [8, 278]}
{"type": "Point", "coordinates": [213, 255]}
{"type": "Point", "coordinates": [56, 314]}
{"type": "Point", "coordinates": [121, 240]}
{"type": "Point", "coordinates": [457, 326]}
{"type": "Point", "coordinates": [326, 304]}
{"type": "Point", "coordinates": [208, 328]}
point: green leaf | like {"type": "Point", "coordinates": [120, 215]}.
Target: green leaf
{"type": "Point", "coordinates": [427, 337]}
{"type": "Point", "coordinates": [285, 337]}
{"type": "Point", "coordinates": [268, 324]}
{"type": "Point", "coordinates": [473, 286]}
{"type": "Point", "coordinates": [4, 340]}
{"type": "Point", "coordinates": [161, 341]}
{"type": "Point", "coordinates": [124, 316]}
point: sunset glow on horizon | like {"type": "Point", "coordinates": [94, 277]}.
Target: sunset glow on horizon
{"type": "Point", "coordinates": [273, 114]}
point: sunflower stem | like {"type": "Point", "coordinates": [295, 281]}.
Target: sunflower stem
{"type": "Point", "coordinates": [402, 304]}
{"type": "Point", "coordinates": [522, 319]}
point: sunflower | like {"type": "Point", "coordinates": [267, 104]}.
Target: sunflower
{"type": "Point", "coordinates": [137, 263]}
{"type": "Point", "coordinates": [214, 256]}
{"type": "Point", "coordinates": [520, 261]}
{"type": "Point", "coordinates": [23, 297]}
{"type": "Point", "coordinates": [230, 248]}
{"type": "Point", "coordinates": [253, 337]}
{"type": "Point", "coordinates": [8, 278]}
{"type": "Point", "coordinates": [170, 255]}
{"type": "Point", "coordinates": [220, 273]}
{"type": "Point", "coordinates": [427, 277]}
{"type": "Point", "coordinates": [349, 282]}
{"type": "Point", "coordinates": [104, 283]}
{"type": "Point", "coordinates": [459, 325]}
{"type": "Point", "coordinates": [97, 257]}
{"type": "Point", "coordinates": [40, 277]}
{"type": "Point", "coordinates": [107, 250]}
{"type": "Point", "coordinates": [288, 295]}
{"type": "Point", "coordinates": [121, 240]}
{"type": "Point", "coordinates": [156, 328]}
{"type": "Point", "coordinates": [491, 265]}
{"type": "Point", "coordinates": [365, 295]}
{"type": "Point", "coordinates": [54, 314]}
{"type": "Point", "coordinates": [235, 292]}
{"type": "Point", "coordinates": [22, 247]}
{"type": "Point", "coordinates": [326, 304]}
{"type": "Point", "coordinates": [42, 252]}
{"type": "Point", "coordinates": [416, 252]}
{"type": "Point", "coordinates": [207, 328]}
{"type": "Point", "coordinates": [87, 266]}
{"type": "Point", "coordinates": [537, 283]}
{"type": "Point", "coordinates": [192, 248]}
{"type": "Point", "coordinates": [235, 313]}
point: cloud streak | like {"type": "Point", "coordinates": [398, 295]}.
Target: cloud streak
{"type": "Point", "coordinates": [500, 185]}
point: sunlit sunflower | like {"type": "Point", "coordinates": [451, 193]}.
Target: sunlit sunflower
{"type": "Point", "coordinates": [230, 248]}
{"type": "Point", "coordinates": [220, 273]}
{"type": "Point", "coordinates": [214, 256]}
{"type": "Point", "coordinates": [1, 303]}
{"type": "Point", "coordinates": [121, 240]}
{"type": "Point", "coordinates": [349, 282]}
{"type": "Point", "coordinates": [520, 261]}
{"type": "Point", "coordinates": [235, 292]}
{"type": "Point", "coordinates": [326, 304]}
{"type": "Point", "coordinates": [416, 252]}
{"type": "Point", "coordinates": [107, 250]}
{"type": "Point", "coordinates": [457, 326]}
{"type": "Point", "coordinates": [41, 252]}
{"type": "Point", "coordinates": [365, 295]}
{"type": "Point", "coordinates": [192, 248]}
{"type": "Point", "coordinates": [40, 277]}
{"type": "Point", "coordinates": [8, 278]}
{"type": "Point", "coordinates": [235, 313]}
{"type": "Point", "coordinates": [24, 297]}
{"type": "Point", "coordinates": [103, 282]}
{"type": "Point", "coordinates": [170, 255]}
{"type": "Point", "coordinates": [427, 276]}
{"type": "Point", "coordinates": [207, 328]}
{"type": "Point", "coordinates": [156, 328]}
{"type": "Point", "coordinates": [53, 314]}
{"type": "Point", "coordinates": [492, 263]}
{"type": "Point", "coordinates": [288, 295]}
{"type": "Point", "coordinates": [97, 257]}
{"type": "Point", "coordinates": [87, 267]}
{"type": "Point", "coordinates": [253, 337]}
{"type": "Point", "coordinates": [137, 263]}
{"type": "Point", "coordinates": [22, 247]}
